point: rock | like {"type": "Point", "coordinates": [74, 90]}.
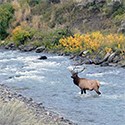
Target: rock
{"type": "Point", "coordinates": [98, 62]}
{"type": "Point", "coordinates": [47, 113]}
{"type": "Point", "coordinates": [121, 30]}
{"type": "Point", "coordinates": [42, 58]}
{"type": "Point", "coordinates": [106, 57]}
{"type": "Point", "coordinates": [10, 46]}
{"type": "Point", "coordinates": [113, 64]}
{"type": "Point", "coordinates": [54, 1]}
{"type": "Point", "coordinates": [104, 64]}
{"type": "Point", "coordinates": [123, 66]}
{"type": "Point", "coordinates": [122, 27]}
{"type": "Point", "coordinates": [76, 58]}
{"type": "Point", "coordinates": [30, 99]}
{"type": "Point", "coordinates": [87, 61]}
{"type": "Point", "coordinates": [66, 54]}
{"type": "Point", "coordinates": [116, 59]}
{"type": "Point", "coordinates": [72, 56]}
{"type": "Point", "coordinates": [122, 63]}
{"type": "Point", "coordinates": [111, 57]}
{"type": "Point", "coordinates": [26, 48]}
{"type": "Point", "coordinates": [40, 49]}
{"type": "Point", "coordinates": [40, 104]}
{"type": "Point", "coordinates": [100, 1]}
{"type": "Point", "coordinates": [84, 53]}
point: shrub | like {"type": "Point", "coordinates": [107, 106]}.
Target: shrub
{"type": "Point", "coordinates": [20, 35]}
{"type": "Point", "coordinates": [6, 14]}
{"type": "Point", "coordinates": [94, 42]}
{"type": "Point", "coordinates": [50, 38]}
{"type": "Point", "coordinates": [62, 13]}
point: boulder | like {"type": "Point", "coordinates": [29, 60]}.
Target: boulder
{"type": "Point", "coordinates": [26, 48]}
{"type": "Point", "coordinates": [116, 59]}
{"type": "Point", "coordinates": [111, 57]}
{"type": "Point", "coordinates": [84, 53]}
{"type": "Point", "coordinates": [10, 46]}
{"type": "Point", "coordinates": [87, 61]}
{"type": "Point", "coordinates": [104, 64]}
{"type": "Point", "coordinates": [98, 62]}
{"type": "Point", "coordinates": [42, 58]}
{"type": "Point", "coordinates": [40, 49]}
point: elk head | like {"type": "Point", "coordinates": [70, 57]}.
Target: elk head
{"type": "Point", "coordinates": [75, 70]}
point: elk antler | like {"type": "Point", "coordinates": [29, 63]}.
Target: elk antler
{"type": "Point", "coordinates": [71, 69]}
{"type": "Point", "coordinates": [76, 69]}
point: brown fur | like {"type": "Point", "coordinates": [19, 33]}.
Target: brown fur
{"type": "Point", "coordinates": [86, 84]}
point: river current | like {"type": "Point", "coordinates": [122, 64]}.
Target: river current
{"type": "Point", "coordinates": [49, 81]}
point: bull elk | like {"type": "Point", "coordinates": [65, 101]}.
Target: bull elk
{"type": "Point", "coordinates": [83, 83]}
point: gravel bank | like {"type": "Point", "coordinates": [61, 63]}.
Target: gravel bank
{"type": "Point", "coordinates": [38, 110]}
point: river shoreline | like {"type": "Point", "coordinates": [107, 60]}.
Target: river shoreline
{"type": "Point", "coordinates": [7, 95]}
{"type": "Point", "coordinates": [115, 59]}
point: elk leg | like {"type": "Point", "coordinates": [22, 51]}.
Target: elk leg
{"type": "Point", "coordinates": [84, 91]}
{"type": "Point", "coordinates": [98, 92]}
{"type": "Point", "coordinates": [81, 91]}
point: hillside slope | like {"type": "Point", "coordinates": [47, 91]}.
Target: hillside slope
{"type": "Point", "coordinates": [83, 16]}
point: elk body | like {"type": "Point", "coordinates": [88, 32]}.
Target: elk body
{"type": "Point", "coordinates": [85, 84]}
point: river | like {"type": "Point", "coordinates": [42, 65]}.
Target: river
{"type": "Point", "coordinates": [49, 81]}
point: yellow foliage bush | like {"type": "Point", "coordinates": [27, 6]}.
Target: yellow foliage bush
{"type": "Point", "coordinates": [19, 35]}
{"type": "Point", "coordinates": [94, 42]}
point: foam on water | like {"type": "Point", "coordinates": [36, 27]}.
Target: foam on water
{"type": "Point", "coordinates": [104, 83]}
{"type": "Point", "coordinates": [114, 72]}
{"type": "Point", "coordinates": [114, 96]}
{"type": "Point", "coordinates": [88, 95]}
{"type": "Point", "coordinates": [43, 64]}
{"type": "Point", "coordinates": [48, 81]}
{"type": "Point", "coordinates": [56, 57]}
{"type": "Point", "coordinates": [27, 77]}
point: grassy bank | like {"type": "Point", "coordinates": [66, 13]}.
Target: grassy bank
{"type": "Point", "coordinates": [18, 110]}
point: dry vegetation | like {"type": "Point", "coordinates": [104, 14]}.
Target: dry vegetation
{"type": "Point", "coordinates": [16, 112]}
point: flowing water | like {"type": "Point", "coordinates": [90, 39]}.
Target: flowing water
{"type": "Point", "coordinates": [48, 81]}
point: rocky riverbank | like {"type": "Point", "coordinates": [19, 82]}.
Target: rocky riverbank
{"type": "Point", "coordinates": [116, 58]}
{"type": "Point", "coordinates": [110, 59]}
{"type": "Point", "coordinates": [37, 111]}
